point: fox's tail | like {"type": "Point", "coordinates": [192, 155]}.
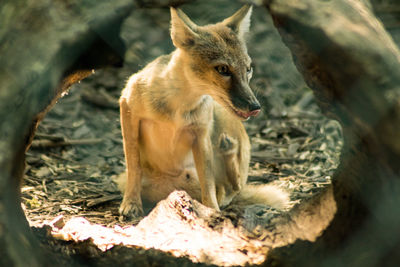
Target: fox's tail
{"type": "Point", "coordinates": [265, 194]}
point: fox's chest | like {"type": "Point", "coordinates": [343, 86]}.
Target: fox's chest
{"type": "Point", "coordinates": [163, 146]}
{"type": "Point", "coordinates": [165, 137]}
{"type": "Point", "coordinates": [167, 143]}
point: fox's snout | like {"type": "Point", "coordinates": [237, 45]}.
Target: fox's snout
{"type": "Point", "coordinates": [244, 102]}
{"type": "Point", "coordinates": [252, 110]}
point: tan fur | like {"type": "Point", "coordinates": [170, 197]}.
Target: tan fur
{"type": "Point", "coordinates": [181, 116]}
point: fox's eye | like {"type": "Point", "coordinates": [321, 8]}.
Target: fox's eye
{"type": "Point", "coordinates": [223, 70]}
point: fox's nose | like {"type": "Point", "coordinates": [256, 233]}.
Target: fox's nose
{"type": "Point", "coordinates": [254, 109]}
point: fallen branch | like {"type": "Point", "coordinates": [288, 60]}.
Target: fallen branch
{"type": "Point", "coordinates": [100, 98]}
{"type": "Point", "coordinates": [50, 143]}
{"type": "Point", "coordinates": [102, 200]}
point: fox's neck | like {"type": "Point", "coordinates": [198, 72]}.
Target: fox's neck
{"type": "Point", "coordinates": [183, 96]}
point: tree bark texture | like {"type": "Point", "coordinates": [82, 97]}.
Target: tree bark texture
{"type": "Point", "coordinates": [353, 67]}
{"type": "Point", "coordinates": [45, 47]}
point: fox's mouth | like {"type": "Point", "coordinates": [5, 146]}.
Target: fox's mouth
{"type": "Point", "coordinates": [242, 115]}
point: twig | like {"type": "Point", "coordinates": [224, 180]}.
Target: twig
{"type": "Point", "coordinates": [54, 155]}
{"type": "Point", "coordinates": [44, 185]}
{"type": "Point", "coordinates": [262, 158]}
{"type": "Point", "coordinates": [101, 200]}
{"type": "Point", "coordinates": [55, 138]}
{"type": "Point", "coordinates": [101, 99]}
{"type": "Point", "coordinates": [49, 143]}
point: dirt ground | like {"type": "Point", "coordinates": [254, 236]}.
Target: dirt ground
{"type": "Point", "coordinates": [77, 151]}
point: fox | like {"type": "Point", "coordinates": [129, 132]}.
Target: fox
{"type": "Point", "coordinates": [182, 120]}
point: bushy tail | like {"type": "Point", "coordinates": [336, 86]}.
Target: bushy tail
{"type": "Point", "coordinates": [262, 194]}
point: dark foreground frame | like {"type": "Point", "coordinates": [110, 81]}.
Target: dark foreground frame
{"type": "Point", "coordinates": [345, 56]}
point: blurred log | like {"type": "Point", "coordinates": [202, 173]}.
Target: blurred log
{"type": "Point", "coordinates": [46, 46]}
{"type": "Point", "coordinates": [353, 67]}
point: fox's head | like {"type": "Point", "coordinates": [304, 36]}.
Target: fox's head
{"type": "Point", "coordinates": [217, 59]}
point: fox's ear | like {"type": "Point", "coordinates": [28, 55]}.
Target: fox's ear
{"type": "Point", "coordinates": [183, 30]}
{"type": "Point", "coordinates": [240, 21]}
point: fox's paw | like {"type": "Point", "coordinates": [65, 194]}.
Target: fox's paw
{"type": "Point", "coordinates": [227, 144]}
{"type": "Point", "coordinates": [131, 209]}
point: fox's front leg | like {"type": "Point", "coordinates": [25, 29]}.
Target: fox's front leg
{"type": "Point", "coordinates": [229, 147]}
{"type": "Point", "coordinates": [203, 157]}
{"type": "Point", "coordinates": [131, 205]}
